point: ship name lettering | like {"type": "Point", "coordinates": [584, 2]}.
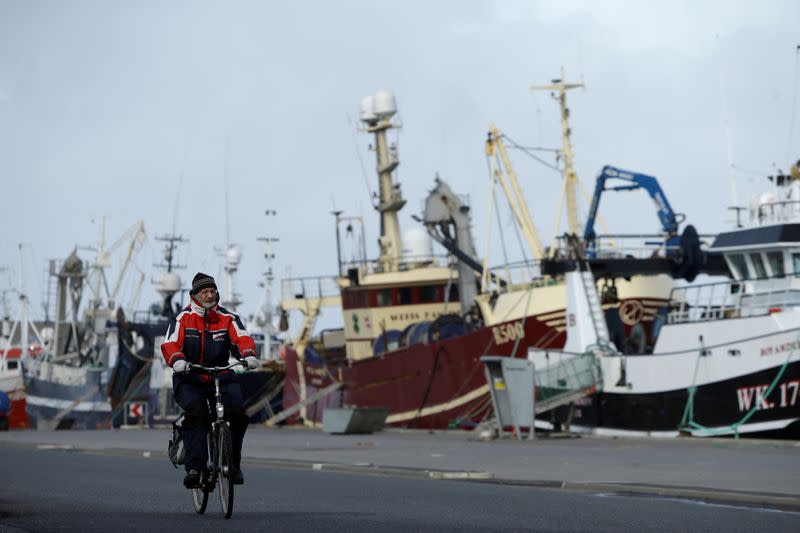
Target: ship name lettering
{"type": "Point", "coordinates": [756, 396]}
{"type": "Point", "coordinates": [404, 316]}
{"type": "Point", "coordinates": [778, 348]}
{"type": "Point", "coordinates": [508, 332]}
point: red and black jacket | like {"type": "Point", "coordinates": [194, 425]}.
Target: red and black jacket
{"type": "Point", "coordinates": [206, 336]}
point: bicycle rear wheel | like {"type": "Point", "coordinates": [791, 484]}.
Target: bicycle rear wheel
{"type": "Point", "coordinates": [225, 465]}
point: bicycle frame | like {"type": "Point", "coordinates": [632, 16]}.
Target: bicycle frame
{"type": "Point", "coordinates": [219, 427]}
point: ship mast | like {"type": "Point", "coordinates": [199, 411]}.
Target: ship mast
{"type": "Point", "coordinates": [376, 113]}
{"type": "Point", "coordinates": [170, 282]}
{"type": "Point", "coordinates": [263, 318]}
{"type": "Point", "coordinates": [559, 90]}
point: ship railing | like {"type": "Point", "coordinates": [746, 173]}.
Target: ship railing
{"type": "Point", "coordinates": [630, 245]}
{"type": "Point", "coordinates": [513, 275]}
{"type": "Point", "coordinates": [528, 273]}
{"type": "Point", "coordinates": [775, 212]}
{"type": "Point", "coordinates": [731, 299]}
{"type": "Point", "coordinates": [409, 262]}
{"type": "Point", "coordinates": [625, 245]}
{"type": "Point", "coordinates": [308, 288]}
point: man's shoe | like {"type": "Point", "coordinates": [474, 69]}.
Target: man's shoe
{"type": "Point", "coordinates": [192, 479]}
{"type": "Point", "coordinates": [237, 478]}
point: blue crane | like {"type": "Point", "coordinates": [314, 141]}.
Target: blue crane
{"type": "Point", "coordinates": [634, 180]}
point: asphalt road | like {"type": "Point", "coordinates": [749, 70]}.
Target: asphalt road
{"type": "Point", "coordinates": [57, 490]}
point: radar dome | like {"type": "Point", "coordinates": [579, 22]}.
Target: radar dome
{"type": "Point", "coordinates": [233, 256]}
{"type": "Point", "coordinates": [417, 246]}
{"type": "Point", "coordinates": [365, 112]}
{"type": "Point", "coordinates": [384, 104]}
{"type": "Point", "coordinates": [170, 283]}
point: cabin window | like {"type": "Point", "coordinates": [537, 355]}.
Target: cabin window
{"type": "Point", "coordinates": [758, 265]}
{"type": "Point", "coordinates": [428, 294]}
{"type": "Point", "coordinates": [453, 296]}
{"type": "Point", "coordinates": [352, 299]}
{"type": "Point", "coordinates": [796, 264]}
{"type": "Point", "coordinates": [739, 265]}
{"type": "Point", "coordinates": [404, 296]}
{"type": "Point", "coordinates": [384, 297]}
{"type": "Point", "coordinates": [12, 365]}
{"type": "Point", "coordinates": [775, 260]}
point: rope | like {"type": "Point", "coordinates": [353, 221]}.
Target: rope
{"type": "Point", "coordinates": [428, 387]}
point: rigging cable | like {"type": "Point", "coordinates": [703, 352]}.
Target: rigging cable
{"type": "Point", "coordinates": [527, 151]}
{"type": "Point", "coordinates": [361, 162]}
{"type": "Point", "coordinates": [794, 103]}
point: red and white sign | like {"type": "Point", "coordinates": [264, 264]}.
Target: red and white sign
{"type": "Point", "coordinates": [136, 409]}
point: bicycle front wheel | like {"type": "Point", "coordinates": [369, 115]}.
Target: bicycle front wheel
{"type": "Point", "coordinates": [200, 499]}
{"type": "Point", "coordinates": [224, 469]}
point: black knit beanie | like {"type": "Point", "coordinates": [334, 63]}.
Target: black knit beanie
{"type": "Point", "coordinates": [202, 281]}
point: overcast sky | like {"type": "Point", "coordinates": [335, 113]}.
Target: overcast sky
{"type": "Point", "coordinates": [110, 108]}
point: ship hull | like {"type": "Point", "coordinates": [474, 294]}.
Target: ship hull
{"type": "Point", "coordinates": [436, 385]}
{"type": "Point", "coordinates": [83, 404]}
{"type": "Point", "coordinates": [717, 409]}
{"type": "Point", "coordinates": [743, 380]}
{"type": "Point", "coordinates": [442, 384]}
{"type": "Point", "coordinates": [11, 383]}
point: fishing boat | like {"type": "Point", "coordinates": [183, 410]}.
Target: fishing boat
{"type": "Point", "coordinates": [94, 359]}
{"type": "Point", "coordinates": [725, 360]}
{"type": "Point", "coordinates": [100, 366]}
{"type": "Point", "coordinates": [11, 384]}
{"type": "Point", "coordinates": [414, 327]}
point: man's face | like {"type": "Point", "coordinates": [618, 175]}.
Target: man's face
{"type": "Point", "coordinates": [207, 296]}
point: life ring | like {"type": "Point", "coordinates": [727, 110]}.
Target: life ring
{"type": "Point", "coordinates": [631, 312]}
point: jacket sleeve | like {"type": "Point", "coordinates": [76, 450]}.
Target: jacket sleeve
{"type": "Point", "coordinates": [172, 347]}
{"type": "Point", "coordinates": [240, 339]}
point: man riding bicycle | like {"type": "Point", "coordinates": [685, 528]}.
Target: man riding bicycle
{"type": "Point", "coordinates": [206, 334]}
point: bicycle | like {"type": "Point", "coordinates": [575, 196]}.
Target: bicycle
{"type": "Point", "coordinates": [220, 454]}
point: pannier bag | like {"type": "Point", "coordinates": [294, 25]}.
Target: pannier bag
{"type": "Point", "coordinates": [175, 449]}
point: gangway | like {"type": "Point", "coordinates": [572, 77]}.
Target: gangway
{"type": "Point", "coordinates": [566, 381]}
{"type": "Point", "coordinates": [520, 390]}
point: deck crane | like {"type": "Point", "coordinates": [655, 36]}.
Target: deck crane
{"type": "Point", "coordinates": [683, 258]}
{"type": "Point", "coordinates": [633, 181]}
{"type": "Point", "coordinates": [496, 152]}
{"type": "Point", "coordinates": [135, 236]}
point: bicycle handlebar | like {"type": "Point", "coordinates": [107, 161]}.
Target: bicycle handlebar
{"type": "Point", "coordinates": [212, 369]}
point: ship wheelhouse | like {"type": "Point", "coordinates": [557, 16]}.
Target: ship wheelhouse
{"type": "Point", "coordinates": [763, 259]}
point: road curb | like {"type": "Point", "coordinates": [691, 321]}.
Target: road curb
{"type": "Point", "coordinates": [704, 494]}
{"type": "Point", "coordinates": [785, 502]}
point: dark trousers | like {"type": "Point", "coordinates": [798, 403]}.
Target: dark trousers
{"type": "Point", "coordinates": [194, 399]}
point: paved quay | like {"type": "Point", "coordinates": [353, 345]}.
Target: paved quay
{"type": "Point", "coordinates": [748, 472]}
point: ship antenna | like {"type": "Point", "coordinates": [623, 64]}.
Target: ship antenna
{"type": "Point", "coordinates": [169, 283]}
{"type": "Point", "coordinates": [264, 319]}
{"type": "Point", "coordinates": [233, 257]}
{"type": "Point", "coordinates": [729, 143]}
{"type": "Point", "coordinates": [794, 103]}
{"type": "Point", "coordinates": [558, 89]}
